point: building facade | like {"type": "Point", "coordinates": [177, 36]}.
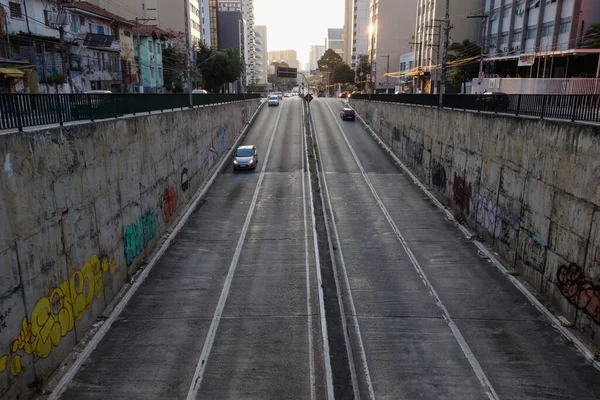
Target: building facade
{"type": "Point", "coordinates": [347, 36]}
{"type": "Point", "coordinates": [360, 31]}
{"type": "Point", "coordinates": [152, 44]}
{"type": "Point", "coordinates": [315, 54]}
{"type": "Point", "coordinates": [246, 7]}
{"type": "Point", "coordinates": [391, 31]}
{"type": "Point", "coordinates": [262, 57]}
{"type": "Point", "coordinates": [288, 56]}
{"type": "Point", "coordinates": [335, 40]}
{"type": "Point", "coordinates": [232, 35]}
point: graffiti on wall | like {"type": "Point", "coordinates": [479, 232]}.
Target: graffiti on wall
{"type": "Point", "coordinates": [55, 315]}
{"type": "Point", "coordinates": [185, 185]}
{"type": "Point", "coordinates": [3, 316]}
{"type": "Point", "coordinates": [209, 159]}
{"type": "Point", "coordinates": [414, 151]}
{"type": "Point", "coordinates": [579, 290]}
{"type": "Point", "coordinates": [138, 235]}
{"type": "Point", "coordinates": [245, 114]}
{"type": "Point", "coordinates": [438, 175]}
{"type": "Point", "coordinates": [223, 141]}
{"type": "Point", "coordinates": [169, 202]}
{"type": "Point", "coordinates": [492, 216]}
{"type": "Point", "coordinates": [539, 239]}
{"type": "Point", "coordinates": [396, 134]}
{"type": "Point", "coordinates": [369, 115]}
{"type": "Point", "coordinates": [461, 193]}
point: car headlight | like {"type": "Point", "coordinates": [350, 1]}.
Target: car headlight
{"type": "Point", "coordinates": [251, 162]}
{"type": "Point", "coordinates": [235, 161]}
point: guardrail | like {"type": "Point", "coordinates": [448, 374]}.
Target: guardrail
{"type": "Point", "coordinates": [574, 107]}
{"type": "Point", "coordinates": [24, 110]}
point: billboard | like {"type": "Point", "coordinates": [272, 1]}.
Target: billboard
{"type": "Point", "coordinates": [526, 60]}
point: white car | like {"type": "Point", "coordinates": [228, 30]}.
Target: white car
{"type": "Point", "coordinates": [273, 100]}
{"type": "Point", "coordinates": [199, 91]}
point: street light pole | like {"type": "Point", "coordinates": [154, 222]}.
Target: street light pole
{"type": "Point", "coordinates": [483, 34]}
{"type": "Point", "coordinates": [445, 53]}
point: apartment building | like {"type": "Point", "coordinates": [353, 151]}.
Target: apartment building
{"type": "Point", "coordinates": [360, 30]}
{"type": "Point", "coordinates": [335, 40]}
{"type": "Point", "coordinates": [391, 30]}
{"type": "Point", "coordinates": [347, 36]}
{"type": "Point", "coordinates": [262, 57]}
{"type": "Point", "coordinates": [246, 7]}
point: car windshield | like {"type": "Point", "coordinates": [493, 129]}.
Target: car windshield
{"type": "Point", "coordinates": [349, 111]}
{"type": "Point", "coordinates": [244, 152]}
{"type": "Point", "coordinates": [273, 98]}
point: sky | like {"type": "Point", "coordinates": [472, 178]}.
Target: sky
{"type": "Point", "coordinates": [297, 24]}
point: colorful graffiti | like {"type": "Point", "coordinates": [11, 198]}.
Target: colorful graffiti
{"type": "Point", "coordinates": [539, 239]}
{"type": "Point", "coordinates": [138, 235]}
{"type": "Point", "coordinates": [492, 216]}
{"type": "Point", "coordinates": [461, 193]}
{"type": "Point", "coordinates": [185, 185]}
{"type": "Point", "coordinates": [369, 115]}
{"type": "Point", "coordinates": [223, 141]}
{"type": "Point", "coordinates": [55, 315]}
{"type": "Point", "coordinates": [169, 202]}
{"type": "Point", "coordinates": [579, 290]}
{"type": "Point", "coordinates": [3, 316]}
{"type": "Point", "coordinates": [438, 175]}
{"type": "Point", "coordinates": [414, 150]}
{"type": "Point", "coordinates": [209, 159]}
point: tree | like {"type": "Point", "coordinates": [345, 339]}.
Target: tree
{"type": "Point", "coordinates": [281, 84]}
{"type": "Point", "coordinates": [591, 40]}
{"type": "Point", "coordinates": [343, 73]}
{"type": "Point", "coordinates": [465, 70]}
{"type": "Point", "coordinates": [174, 70]}
{"type": "Point", "coordinates": [219, 67]}
{"type": "Point", "coordinates": [363, 70]}
{"type": "Point", "coordinates": [329, 60]}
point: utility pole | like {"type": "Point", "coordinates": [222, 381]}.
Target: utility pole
{"type": "Point", "coordinates": [139, 49]}
{"type": "Point", "coordinates": [188, 46]}
{"type": "Point", "coordinates": [387, 71]}
{"type": "Point", "coordinates": [420, 44]}
{"type": "Point", "coordinates": [445, 52]}
{"type": "Point", "coordinates": [483, 31]}
{"type": "Point", "coordinates": [438, 51]}
{"type": "Point", "coordinates": [64, 54]}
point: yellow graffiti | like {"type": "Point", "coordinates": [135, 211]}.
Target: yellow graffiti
{"type": "Point", "coordinates": [54, 316]}
{"type": "Point", "coordinates": [3, 362]}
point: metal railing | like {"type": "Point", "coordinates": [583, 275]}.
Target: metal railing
{"type": "Point", "coordinates": [573, 107]}
{"type": "Point", "coordinates": [18, 111]}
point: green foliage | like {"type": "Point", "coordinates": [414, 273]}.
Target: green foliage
{"type": "Point", "coordinates": [219, 67]}
{"type": "Point", "coordinates": [343, 73]}
{"type": "Point", "coordinates": [329, 61]}
{"type": "Point", "coordinates": [174, 70]}
{"type": "Point", "coordinates": [363, 70]}
{"type": "Point", "coordinates": [591, 39]}
{"type": "Point", "coordinates": [461, 51]}
{"type": "Point", "coordinates": [281, 84]}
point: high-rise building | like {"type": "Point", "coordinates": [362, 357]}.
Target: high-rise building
{"type": "Point", "coordinates": [348, 28]}
{"type": "Point", "coordinates": [335, 40]}
{"type": "Point", "coordinates": [429, 35]}
{"type": "Point", "coordinates": [290, 57]}
{"type": "Point", "coordinates": [232, 35]}
{"type": "Point", "coordinates": [360, 31]}
{"type": "Point", "coordinates": [315, 54]}
{"type": "Point", "coordinates": [392, 26]}
{"type": "Point", "coordinates": [246, 7]}
{"type": "Point", "coordinates": [262, 57]}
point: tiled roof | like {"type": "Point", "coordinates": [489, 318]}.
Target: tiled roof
{"type": "Point", "coordinates": [84, 6]}
{"type": "Point", "coordinates": [147, 30]}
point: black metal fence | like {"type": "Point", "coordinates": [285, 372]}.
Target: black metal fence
{"type": "Point", "coordinates": [23, 110]}
{"type": "Point", "coordinates": [574, 107]}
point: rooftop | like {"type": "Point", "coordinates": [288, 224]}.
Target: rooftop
{"type": "Point", "coordinates": [91, 8]}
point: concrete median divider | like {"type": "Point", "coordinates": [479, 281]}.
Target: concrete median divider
{"type": "Point", "coordinates": [81, 210]}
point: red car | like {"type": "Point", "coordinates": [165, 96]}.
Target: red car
{"type": "Point", "coordinates": [343, 95]}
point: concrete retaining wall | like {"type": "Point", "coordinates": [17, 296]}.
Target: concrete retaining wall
{"type": "Point", "coordinates": [530, 188]}
{"type": "Point", "coordinates": [80, 209]}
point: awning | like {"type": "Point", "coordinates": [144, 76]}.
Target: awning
{"type": "Point", "coordinates": [11, 73]}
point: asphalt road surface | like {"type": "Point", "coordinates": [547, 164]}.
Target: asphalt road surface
{"type": "Point", "coordinates": [231, 311]}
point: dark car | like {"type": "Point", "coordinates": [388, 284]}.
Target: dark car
{"type": "Point", "coordinates": [493, 101]}
{"type": "Point", "coordinates": [245, 157]}
{"type": "Point", "coordinates": [348, 113]}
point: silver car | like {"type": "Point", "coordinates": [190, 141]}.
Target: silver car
{"type": "Point", "coordinates": [245, 157]}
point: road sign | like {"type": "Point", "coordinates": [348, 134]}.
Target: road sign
{"type": "Point", "coordinates": [285, 72]}
{"type": "Point", "coordinates": [308, 98]}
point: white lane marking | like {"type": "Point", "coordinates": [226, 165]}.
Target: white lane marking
{"type": "Point", "coordinates": [212, 331]}
{"type": "Point", "coordinates": [311, 355]}
{"type": "Point", "coordinates": [583, 349]}
{"type": "Point", "coordinates": [324, 334]}
{"type": "Point", "coordinates": [64, 381]}
{"type": "Point", "coordinates": [363, 354]}
{"type": "Point", "coordinates": [483, 379]}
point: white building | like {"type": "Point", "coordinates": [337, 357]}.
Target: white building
{"type": "Point", "coordinates": [315, 54]}
{"type": "Point", "coordinates": [262, 57]}
{"type": "Point", "coordinates": [335, 40]}
{"type": "Point", "coordinates": [360, 32]}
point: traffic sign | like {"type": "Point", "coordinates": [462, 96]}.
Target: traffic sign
{"type": "Point", "coordinates": [308, 98]}
{"type": "Point", "coordinates": [285, 72]}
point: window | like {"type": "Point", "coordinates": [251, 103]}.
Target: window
{"type": "Point", "coordinates": [159, 72]}
{"type": "Point", "coordinates": [506, 11]}
{"type": "Point", "coordinates": [517, 35]}
{"type": "Point", "coordinates": [504, 38]}
{"type": "Point", "coordinates": [103, 62]}
{"type": "Point", "coordinates": [150, 46]}
{"type": "Point", "coordinates": [532, 32]}
{"type": "Point", "coordinates": [115, 32]}
{"type": "Point", "coordinates": [152, 72]}
{"type": "Point", "coordinates": [46, 18]}
{"type": "Point", "coordinates": [534, 4]}
{"type": "Point", "coordinates": [100, 30]}
{"type": "Point", "coordinates": [74, 25]}
{"type": "Point", "coordinates": [90, 27]}
{"type": "Point", "coordinates": [82, 21]}
{"type": "Point", "coordinates": [548, 29]}
{"type": "Point", "coordinates": [127, 33]}
{"type": "Point", "coordinates": [495, 14]}
{"type": "Point", "coordinates": [98, 60]}
{"type": "Point", "coordinates": [15, 10]}
{"type": "Point", "coordinates": [565, 25]}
